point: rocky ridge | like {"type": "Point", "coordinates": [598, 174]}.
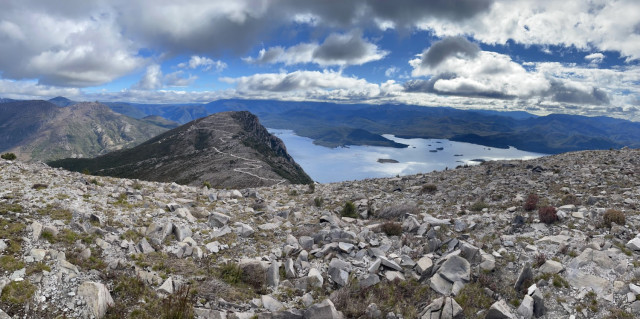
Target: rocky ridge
{"type": "Point", "coordinates": [452, 244]}
{"type": "Point", "coordinates": [223, 150]}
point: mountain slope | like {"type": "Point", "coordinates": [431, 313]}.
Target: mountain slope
{"type": "Point", "coordinates": [229, 149]}
{"type": "Point", "coordinates": [39, 130]}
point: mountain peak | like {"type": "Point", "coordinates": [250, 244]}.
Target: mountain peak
{"type": "Point", "coordinates": [61, 101]}
{"type": "Point", "coordinates": [228, 149]}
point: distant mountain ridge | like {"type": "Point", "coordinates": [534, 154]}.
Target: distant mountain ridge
{"type": "Point", "coordinates": [228, 149]}
{"type": "Point", "coordinates": [40, 130]}
{"type": "Point", "coordinates": [332, 125]}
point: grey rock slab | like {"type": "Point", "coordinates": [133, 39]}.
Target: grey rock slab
{"type": "Point", "coordinates": [273, 274]}
{"type": "Point", "coordinates": [369, 280]}
{"type": "Point", "coordinates": [557, 239]}
{"type": "Point", "coordinates": [455, 268]}
{"type": "Point", "coordinates": [181, 232]}
{"type": "Point", "coordinates": [243, 230]}
{"type": "Point", "coordinates": [314, 278]}
{"type": "Point", "coordinates": [145, 247]}
{"type": "Point", "coordinates": [306, 242]}
{"type": "Point", "coordinates": [526, 307]}
{"type": "Point", "coordinates": [339, 276]}
{"type": "Point", "coordinates": [389, 264]}
{"type": "Point", "coordinates": [579, 279]}
{"type": "Point", "coordinates": [36, 230]}
{"type": "Point", "coordinates": [217, 220]}
{"type": "Point", "coordinates": [323, 310]}
{"type": "Point", "coordinates": [375, 266]}
{"type": "Point", "coordinates": [524, 275]}
{"type": "Point", "coordinates": [424, 266]}
{"type": "Point", "coordinates": [394, 275]}
{"type": "Point", "coordinates": [270, 303]}
{"type": "Point", "coordinates": [551, 267]}
{"type": "Point", "coordinates": [634, 244]}
{"type": "Point", "coordinates": [290, 271]}
{"type": "Point", "coordinates": [588, 256]}
{"type": "Point", "coordinates": [635, 289]}
{"type": "Point", "coordinates": [97, 297]}
{"type": "Point", "coordinates": [443, 308]}
{"type": "Point", "coordinates": [435, 221]}
{"type": "Point", "coordinates": [4, 315]}
{"type": "Point", "coordinates": [441, 285]}
{"type": "Point", "coordinates": [499, 310]}
{"type": "Point", "coordinates": [38, 254]}
{"type": "Point", "coordinates": [167, 286]}
{"type": "Point", "coordinates": [227, 230]}
{"type": "Point", "coordinates": [538, 303]}
{"type": "Point", "coordinates": [346, 247]}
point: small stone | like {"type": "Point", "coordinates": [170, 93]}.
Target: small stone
{"type": "Point", "coordinates": [167, 286]}
{"type": "Point", "coordinates": [499, 310]}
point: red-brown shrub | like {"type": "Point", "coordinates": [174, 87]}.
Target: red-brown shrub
{"type": "Point", "coordinates": [531, 202]}
{"type": "Point", "coordinates": [548, 214]}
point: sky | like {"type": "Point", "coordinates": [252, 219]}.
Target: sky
{"type": "Point", "coordinates": [577, 57]}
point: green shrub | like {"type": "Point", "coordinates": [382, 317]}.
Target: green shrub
{"type": "Point", "coordinates": [548, 214]}
{"type": "Point", "coordinates": [206, 184]}
{"type": "Point", "coordinates": [473, 299]}
{"type": "Point", "coordinates": [8, 156]}
{"type": "Point", "coordinates": [531, 203]}
{"type": "Point", "coordinates": [231, 273]}
{"type": "Point", "coordinates": [479, 206]}
{"type": "Point", "coordinates": [16, 295]}
{"type": "Point", "coordinates": [318, 201]}
{"type": "Point", "coordinates": [391, 228]}
{"type": "Point", "coordinates": [349, 210]}
{"type": "Point", "coordinates": [614, 216]}
{"type": "Point", "coordinates": [8, 263]}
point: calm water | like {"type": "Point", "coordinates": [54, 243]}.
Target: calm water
{"type": "Point", "coordinates": [326, 165]}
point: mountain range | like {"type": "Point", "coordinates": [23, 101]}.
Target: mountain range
{"type": "Point", "coordinates": [43, 131]}
{"type": "Point", "coordinates": [228, 149]}
{"type": "Point", "coordinates": [334, 125]}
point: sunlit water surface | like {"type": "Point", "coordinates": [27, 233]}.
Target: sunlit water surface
{"type": "Point", "coordinates": [326, 165]}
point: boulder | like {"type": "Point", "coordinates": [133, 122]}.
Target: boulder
{"type": "Point", "coordinates": [97, 297]}
{"type": "Point", "coordinates": [455, 268]}
{"type": "Point", "coordinates": [323, 310]}
{"type": "Point", "coordinates": [499, 310]}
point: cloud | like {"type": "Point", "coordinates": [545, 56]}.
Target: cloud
{"type": "Point", "coordinates": [594, 58]}
{"type": "Point", "coordinates": [447, 47]}
{"type": "Point", "coordinates": [337, 49]}
{"type": "Point", "coordinates": [204, 62]}
{"type": "Point", "coordinates": [62, 51]}
{"type": "Point", "coordinates": [456, 66]}
{"type": "Point", "coordinates": [154, 79]}
{"type": "Point", "coordinates": [588, 25]}
{"type": "Point", "coordinates": [312, 84]}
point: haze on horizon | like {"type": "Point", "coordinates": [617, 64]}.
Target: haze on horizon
{"type": "Point", "coordinates": [577, 57]}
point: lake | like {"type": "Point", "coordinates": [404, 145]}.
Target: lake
{"type": "Point", "coordinates": [327, 165]}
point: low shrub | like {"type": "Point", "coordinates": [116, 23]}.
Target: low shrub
{"type": "Point", "coordinates": [570, 199]}
{"type": "Point", "coordinates": [429, 188]}
{"type": "Point", "coordinates": [548, 214]}
{"type": "Point", "coordinates": [613, 216]}
{"type": "Point", "coordinates": [396, 212]}
{"type": "Point", "coordinates": [8, 156]}
{"type": "Point", "coordinates": [479, 206]}
{"type": "Point", "coordinates": [318, 201]}
{"type": "Point", "coordinates": [349, 210]}
{"type": "Point", "coordinates": [539, 260]}
{"type": "Point", "coordinates": [16, 295]}
{"type": "Point", "coordinates": [531, 202]}
{"type": "Point", "coordinates": [391, 228]}
{"type": "Point", "coordinates": [206, 184]}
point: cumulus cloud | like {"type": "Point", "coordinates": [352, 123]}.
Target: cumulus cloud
{"type": "Point", "coordinates": [314, 84]}
{"type": "Point", "coordinates": [337, 49]}
{"type": "Point", "coordinates": [74, 51]}
{"type": "Point", "coordinates": [594, 58]}
{"type": "Point", "coordinates": [455, 66]}
{"type": "Point", "coordinates": [154, 79]}
{"type": "Point", "coordinates": [205, 63]}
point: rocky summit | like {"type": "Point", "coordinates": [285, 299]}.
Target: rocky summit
{"type": "Point", "coordinates": [228, 149]}
{"type": "Point", "coordinates": [554, 237]}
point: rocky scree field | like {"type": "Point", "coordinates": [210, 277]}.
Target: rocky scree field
{"type": "Point", "coordinates": [462, 243]}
